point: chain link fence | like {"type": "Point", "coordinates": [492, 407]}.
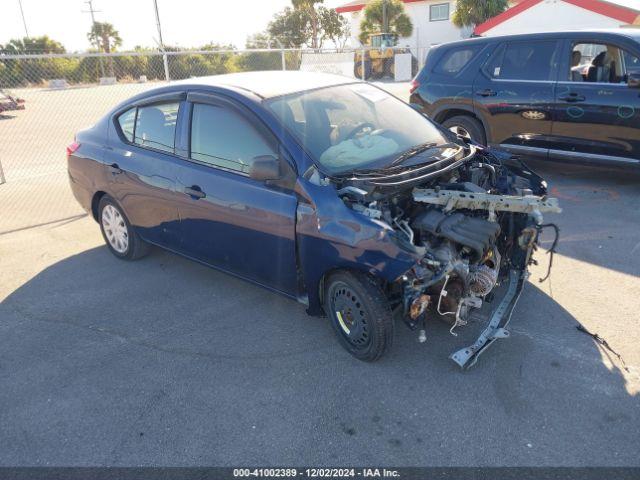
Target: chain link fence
{"type": "Point", "coordinates": [46, 98]}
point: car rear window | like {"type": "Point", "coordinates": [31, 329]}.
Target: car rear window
{"type": "Point", "coordinates": [127, 121]}
{"type": "Point", "coordinates": [456, 59]}
{"type": "Point", "coordinates": [156, 126]}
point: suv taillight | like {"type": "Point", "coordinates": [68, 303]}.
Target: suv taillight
{"type": "Point", "coordinates": [414, 85]}
{"type": "Point", "coordinates": [71, 149]}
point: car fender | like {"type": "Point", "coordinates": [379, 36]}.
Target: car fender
{"type": "Point", "coordinates": [330, 236]}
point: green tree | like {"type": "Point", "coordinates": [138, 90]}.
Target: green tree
{"type": "Point", "coordinates": [473, 12]}
{"type": "Point", "coordinates": [398, 21]}
{"type": "Point", "coordinates": [290, 27]}
{"type": "Point", "coordinates": [335, 26]}
{"type": "Point", "coordinates": [42, 44]}
{"type": "Point", "coordinates": [104, 36]}
{"type": "Point", "coordinates": [308, 25]}
{"type": "Point", "coordinates": [34, 70]}
{"type": "Point", "coordinates": [106, 39]}
{"type": "Point", "coordinates": [308, 7]}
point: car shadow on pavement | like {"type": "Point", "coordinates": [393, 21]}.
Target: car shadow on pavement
{"type": "Point", "coordinates": [600, 217]}
{"type": "Point", "coordinates": [166, 362]}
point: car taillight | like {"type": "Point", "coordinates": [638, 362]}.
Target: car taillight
{"type": "Point", "coordinates": [414, 85]}
{"type": "Point", "coordinates": [71, 149]}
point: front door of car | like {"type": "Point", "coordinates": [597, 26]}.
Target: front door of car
{"type": "Point", "coordinates": [514, 94]}
{"type": "Point", "coordinates": [597, 115]}
{"type": "Point", "coordinates": [142, 168]}
{"type": "Point", "coordinates": [228, 219]}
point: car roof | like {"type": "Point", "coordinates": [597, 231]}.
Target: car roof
{"type": "Point", "coordinates": [597, 33]}
{"type": "Point", "coordinates": [271, 83]}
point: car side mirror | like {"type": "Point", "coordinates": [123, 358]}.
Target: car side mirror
{"type": "Point", "coordinates": [633, 79]}
{"type": "Point", "coordinates": [265, 167]}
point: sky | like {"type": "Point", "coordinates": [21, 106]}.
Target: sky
{"type": "Point", "coordinates": [187, 23]}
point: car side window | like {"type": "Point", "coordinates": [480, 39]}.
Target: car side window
{"type": "Point", "coordinates": [524, 61]}
{"type": "Point", "coordinates": [600, 63]}
{"type": "Point", "coordinates": [456, 59]}
{"type": "Point", "coordinates": [155, 126]}
{"type": "Point", "coordinates": [223, 138]}
{"type": "Point", "coordinates": [127, 122]}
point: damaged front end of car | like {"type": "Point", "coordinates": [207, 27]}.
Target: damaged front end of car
{"type": "Point", "coordinates": [472, 218]}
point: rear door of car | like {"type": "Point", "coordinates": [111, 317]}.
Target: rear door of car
{"type": "Point", "coordinates": [142, 166]}
{"type": "Point", "coordinates": [514, 94]}
{"type": "Point", "coordinates": [228, 220]}
{"type": "Point", "coordinates": [597, 114]}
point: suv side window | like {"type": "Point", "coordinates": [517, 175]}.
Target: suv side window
{"type": "Point", "coordinates": [524, 61]}
{"type": "Point", "coordinates": [456, 59]}
{"type": "Point", "coordinates": [600, 63]}
{"type": "Point", "coordinates": [223, 138]}
{"type": "Point", "coordinates": [155, 126]}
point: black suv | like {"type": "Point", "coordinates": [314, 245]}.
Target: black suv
{"type": "Point", "coordinates": [572, 96]}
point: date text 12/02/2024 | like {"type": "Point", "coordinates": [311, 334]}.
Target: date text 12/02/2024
{"type": "Point", "coordinates": [316, 472]}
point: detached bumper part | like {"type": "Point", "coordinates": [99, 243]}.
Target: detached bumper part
{"type": "Point", "coordinates": [500, 317]}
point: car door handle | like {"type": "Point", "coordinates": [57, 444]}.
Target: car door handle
{"type": "Point", "coordinates": [115, 169]}
{"type": "Point", "coordinates": [195, 192]}
{"type": "Point", "coordinates": [573, 97]}
{"type": "Point", "coordinates": [487, 93]}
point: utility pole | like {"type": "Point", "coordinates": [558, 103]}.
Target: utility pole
{"type": "Point", "coordinates": [385, 20]}
{"type": "Point", "coordinates": [164, 55]}
{"type": "Point", "coordinates": [24, 22]}
{"type": "Point", "coordinates": [93, 23]}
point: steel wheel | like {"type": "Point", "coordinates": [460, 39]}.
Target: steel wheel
{"type": "Point", "coordinates": [115, 229]}
{"type": "Point", "coordinates": [460, 131]}
{"type": "Point", "coordinates": [351, 315]}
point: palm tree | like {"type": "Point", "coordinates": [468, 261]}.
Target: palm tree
{"type": "Point", "coordinates": [397, 21]}
{"type": "Point", "coordinates": [106, 39]}
{"type": "Point", "coordinates": [104, 36]}
{"type": "Point", "coordinates": [474, 12]}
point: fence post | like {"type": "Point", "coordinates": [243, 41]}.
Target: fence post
{"type": "Point", "coordinates": [284, 59]}
{"type": "Point", "coordinates": [166, 66]}
{"type": "Point", "coordinates": [2, 179]}
{"type": "Point", "coordinates": [362, 65]}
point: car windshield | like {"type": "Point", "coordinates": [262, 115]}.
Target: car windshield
{"type": "Point", "coordinates": [354, 126]}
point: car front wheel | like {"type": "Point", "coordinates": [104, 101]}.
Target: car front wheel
{"type": "Point", "coordinates": [121, 239]}
{"type": "Point", "coordinates": [360, 315]}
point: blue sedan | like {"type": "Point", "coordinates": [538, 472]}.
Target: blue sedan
{"type": "Point", "coordinates": [324, 189]}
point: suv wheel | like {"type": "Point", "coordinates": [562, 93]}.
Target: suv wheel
{"type": "Point", "coordinates": [360, 315]}
{"type": "Point", "coordinates": [467, 127]}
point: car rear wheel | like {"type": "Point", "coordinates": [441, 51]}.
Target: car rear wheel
{"type": "Point", "coordinates": [360, 315]}
{"type": "Point", "coordinates": [121, 239]}
{"type": "Point", "coordinates": [466, 127]}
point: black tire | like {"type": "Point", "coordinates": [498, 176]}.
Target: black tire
{"type": "Point", "coordinates": [136, 247]}
{"type": "Point", "coordinates": [357, 70]}
{"type": "Point", "coordinates": [470, 125]}
{"type": "Point", "coordinates": [360, 314]}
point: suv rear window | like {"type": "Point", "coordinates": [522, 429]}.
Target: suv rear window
{"type": "Point", "coordinates": [524, 61]}
{"type": "Point", "coordinates": [456, 59]}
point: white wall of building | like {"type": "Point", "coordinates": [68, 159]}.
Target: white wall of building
{"type": "Point", "coordinates": [426, 33]}
{"type": "Point", "coordinates": [553, 15]}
